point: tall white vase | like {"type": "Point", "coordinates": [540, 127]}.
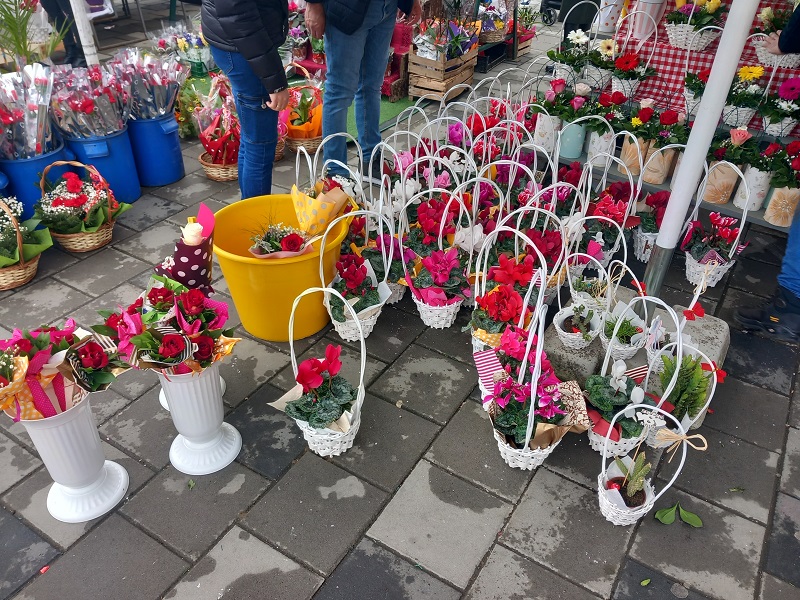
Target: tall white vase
{"type": "Point", "coordinates": [544, 134]}
{"type": "Point", "coordinates": [162, 398]}
{"type": "Point", "coordinates": [205, 443]}
{"type": "Point", "coordinates": [87, 485]}
{"type": "Point", "coordinates": [758, 183]}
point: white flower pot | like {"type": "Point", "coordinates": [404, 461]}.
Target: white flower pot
{"type": "Point", "coordinates": [692, 103]}
{"type": "Point", "coordinates": [205, 443]}
{"type": "Point", "coordinates": [544, 134]}
{"type": "Point", "coordinates": [758, 185]}
{"type": "Point", "coordinates": [610, 11]}
{"type": "Point", "coordinates": [162, 399]}
{"type": "Point", "coordinates": [780, 128]}
{"type": "Point", "coordinates": [595, 77]}
{"type": "Point", "coordinates": [87, 485]}
{"type": "Point", "coordinates": [600, 144]}
{"type": "Point", "coordinates": [737, 116]}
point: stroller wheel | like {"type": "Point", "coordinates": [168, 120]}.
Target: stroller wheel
{"type": "Point", "coordinates": [549, 16]}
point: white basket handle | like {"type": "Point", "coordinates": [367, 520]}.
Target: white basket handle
{"type": "Point", "coordinates": [695, 38]}
{"type": "Point", "coordinates": [302, 152]}
{"type": "Point", "coordinates": [539, 318]}
{"type": "Point", "coordinates": [629, 34]}
{"type": "Point", "coordinates": [355, 175]}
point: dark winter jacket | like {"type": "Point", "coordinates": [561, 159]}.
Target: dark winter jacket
{"type": "Point", "coordinates": [789, 42]}
{"type": "Point", "coordinates": [348, 15]}
{"type": "Point", "coordinates": [255, 29]}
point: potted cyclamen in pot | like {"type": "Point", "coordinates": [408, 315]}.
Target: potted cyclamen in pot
{"type": "Point", "coordinates": [651, 215]}
{"type": "Point", "coordinates": [440, 287]}
{"type": "Point", "coordinates": [601, 137]}
{"type": "Point", "coordinates": [494, 311]}
{"type": "Point", "coordinates": [717, 246]}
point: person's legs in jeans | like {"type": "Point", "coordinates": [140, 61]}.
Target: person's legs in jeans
{"type": "Point", "coordinates": [789, 277]}
{"type": "Point", "coordinates": [343, 52]}
{"type": "Point", "coordinates": [259, 124]}
{"type": "Point", "coordinates": [373, 68]}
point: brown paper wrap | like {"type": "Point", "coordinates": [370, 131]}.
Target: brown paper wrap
{"type": "Point", "coordinates": [629, 155]}
{"type": "Point", "coordinates": [660, 165]}
{"type": "Point", "coordinates": [782, 206]}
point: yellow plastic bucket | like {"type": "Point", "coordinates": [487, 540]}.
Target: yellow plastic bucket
{"type": "Point", "coordinates": [263, 289]}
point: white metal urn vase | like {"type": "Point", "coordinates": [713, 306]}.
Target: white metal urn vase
{"type": "Point", "coordinates": [87, 485]}
{"type": "Point", "coordinates": [205, 444]}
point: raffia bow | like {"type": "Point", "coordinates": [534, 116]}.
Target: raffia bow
{"type": "Point", "coordinates": [668, 437]}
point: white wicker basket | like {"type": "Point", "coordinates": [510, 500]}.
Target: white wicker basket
{"type": "Point", "coordinates": [626, 86]}
{"type": "Point", "coordinates": [780, 128]}
{"type": "Point", "coordinates": [596, 77]}
{"type": "Point", "coordinates": [565, 72]}
{"type": "Point", "coordinates": [787, 61]}
{"type": "Point", "coordinates": [597, 305]}
{"type": "Point", "coordinates": [695, 271]}
{"type": "Point", "coordinates": [684, 36]}
{"type": "Point", "coordinates": [438, 317]}
{"type": "Point", "coordinates": [522, 458]}
{"type": "Point", "coordinates": [656, 366]}
{"type": "Point", "coordinates": [398, 291]}
{"type": "Point", "coordinates": [643, 244]}
{"type": "Point", "coordinates": [348, 330]}
{"type": "Point", "coordinates": [327, 442]}
{"type": "Point", "coordinates": [620, 351]}
{"type": "Point", "coordinates": [575, 341]}
{"type": "Point", "coordinates": [737, 116]}
{"type": "Point", "coordinates": [691, 104]}
{"type": "Point", "coordinates": [620, 448]}
{"type": "Point", "coordinates": [576, 270]}
{"type": "Point", "coordinates": [618, 516]}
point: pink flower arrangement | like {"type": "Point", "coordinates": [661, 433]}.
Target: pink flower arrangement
{"type": "Point", "coordinates": [739, 136]}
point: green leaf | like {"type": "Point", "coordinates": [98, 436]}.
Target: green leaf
{"type": "Point", "coordinates": [105, 330]}
{"type": "Point", "coordinates": [667, 515]}
{"type": "Point", "coordinates": [644, 582]}
{"type": "Point", "coordinates": [103, 377]}
{"type": "Point", "coordinates": [191, 484]}
{"type": "Point", "coordinates": [736, 489]}
{"type": "Point", "coordinates": [689, 517]}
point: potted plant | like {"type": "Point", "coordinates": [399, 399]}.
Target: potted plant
{"type": "Point", "coordinates": [356, 282]}
{"type": "Point", "coordinates": [606, 396]}
{"type": "Point", "coordinates": [439, 287]}
{"type": "Point", "coordinates": [548, 121]}
{"type": "Point", "coordinates": [670, 130]}
{"type": "Point", "coordinates": [744, 96]}
{"type": "Point", "coordinates": [757, 175]}
{"type": "Point", "coordinates": [577, 326]}
{"type": "Point", "coordinates": [80, 213]}
{"type": "Point", "coordinates": [784, 195]}
{"type": "Point", "coordinates": [570, 57]}
{"type": "Point", "coordinates": [601, 138]}
{"type": "Point", "coordinates": [600, 64]}
{"type": "Point", "coordinates": [651, 215]}
{"type": "Point", "coordinates": [573, 135]}
{"type": "Point", "coordinates": [781, 110]}
{"type": "Point", "coordinates": [305, 119]}
{"type": "Point", "coordinates": [590, 292]}
{"type": "Point", "coordinates": [495, 310]}
{"type": "Point", "coordinates": [718, 246]}
{"type": "Point", "coordinates": [693, 87]}
{"type": "Point", "coordinates": [628, 73]}
{"type": "Point", "coordinates": [298, 36]}
{"type": "Point", "coordinates": [689, 396]}
{"type": "Point", "coordinates": [628, 339]}
{"type": "Point", "coordinates": [625, 493]}
{"type": "Point", "coordinates": [683, 24]}
{"type": "Point", "coordinates": [318, 50]}
{"type": "Point", "coordinates": [722, 178]}
{"type": "Point", "coordinates": [20, 245]}
{"type": "Point", "coordinates": [493, 25]}
{"type": "Point", "coordinates": [633, 155]}
{"type": "Point", "coordinates": [774, 20]}
{"type": "Point", "coordinates": [375, 256]}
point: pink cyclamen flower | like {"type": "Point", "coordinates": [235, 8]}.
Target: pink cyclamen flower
{"type": "Point", "coordinates": [404, 160]}
{"type": "Point", "coordinates": [440, 264]}
{"type": "Point", "coordinates": [442, 181]}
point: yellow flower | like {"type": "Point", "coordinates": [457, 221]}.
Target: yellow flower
{"type": "Point", "coordinates": [750, 73]}
{"type": "Point", "coordinates": [700, 3]}
{"type": "Point", "coordinates": [607, 47]}
{"type": "Point", "coordinates": [636, 121]}
{"type": "Point", "coordinates": [712, 6]}
{"type": "Point", "coordinates": [182, 45]}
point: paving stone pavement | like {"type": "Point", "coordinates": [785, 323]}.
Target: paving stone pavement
{"type": "Point", "coordinates": [422, 506]}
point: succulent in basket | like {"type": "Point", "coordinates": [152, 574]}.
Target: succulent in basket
{"type": "Point", "coordinates": [326, 394]}
{"type": "Point", "coordinates": [34, 241]}
{"type": "Point", "coordinates": [626, 332]}
{"type": "Point", "coordinates": [700, 16]}
{"type": "Point", "coordinates": [610, 394]}
{"type": "Point", "coordinates": [76, 205]}
{"type": "Point", "coordinates": [631, 484]}
{"type": "Point", "coordinates": [712, 244]}
{"type": "Point", "coordinates": [689, 394]}
{"type": "Point", "coordinates": [579, 322]}
{"type": "Point", "coordinates": [355, 285]}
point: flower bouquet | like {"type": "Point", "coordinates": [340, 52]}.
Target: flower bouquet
{"type": "Point", "coordinates": [744, 97]}
{"type": "Point", "coordinates": [612, 219]}
{"type": "Point", "coordinates": [493, 25]}
{"type": "Point", "coordinates": [772, 21]}
{"type": "Point", "coordinates": [24, 114]}
{"type": "Point", "coordinates": [693, 87]}
{"type": "Point", "coordinates": [711, 253]}
{"type": "Point", "coordinates": [599, 64]}
{"type": "Point", "coordinates": [571, 57]}
{"type": "Point", "coordinates": [193, 49]}
{"type": "Point", "coordinates": [154, 80]}
{"type": "Point", "coordinates": [683, 25]}
{"type": "Point", "coordinates": [278, 240]}
{"type": "Point", "coordinates": [651, 216]}
{"type": "Point", "coordinates": [785, 193]}
{"type": "Point", "coordinates": [629, 73]}
{"type": "Point", "coordinates": [80, 213]}
{"type": "Point", "coordinates": [757, 176]}
{"type": "Point", "coordinates": [632, 155]}
{"type": "Point", "coordinates": [219, 130]}
{"type": "Point", "coordinates": [21, 243]}
{"type": "Point", "coordinates": [781, 111]}
{"type": "Point", "coordinates": [325, 406]}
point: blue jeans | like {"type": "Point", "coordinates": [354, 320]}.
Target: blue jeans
{"type": "Point", "coordinates": [789, 276]}
{"type": "Point", "coordinates": [259, 124]}
{"type": "Point", "coordinates": [356, 65]}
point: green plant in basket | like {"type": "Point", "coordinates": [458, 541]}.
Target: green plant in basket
{"type": "Point", "coordinates": [326, 394]}
{"type": "Point", "coordinates": [611, 394]}
{"type": "Point", "coordinates": [78, 205]}
{"type": "Point", "coordinates": [689, 395]}
{"type": "Point", "coordinates": [15, 28]}
{"type": "Point", "coordinates": [633, 480]}
{"type": "Point", "coordinates": [375, 257]}
{"type": "Point", "coordinates": [699, 16]}
{"type": "Point", "coordinates": [626, 331]}
{"type": "Point", "coordinates": [745, 91]}
{"type": "Point", "coordinates": [34, 241]}
{"type": "Point", "coordinates": [355, 286]}
{"type": "Point", "coordinates": [578, 323]}
{"type": "Point", "coordinates": [696, 82]}
{"type": "Point", "coordinates": [304, 108]}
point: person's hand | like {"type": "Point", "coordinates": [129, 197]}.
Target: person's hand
{"type": "Point", "coordinates": [278, 101]}
{"type": "Point", "coordinates": [771, 43]}
{"type": "Point", "coordinates": [413, 17]}
{"type": "Point", "coordinates": [315, 19]}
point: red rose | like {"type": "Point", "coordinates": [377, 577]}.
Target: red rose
{"type": "Point", "coordinates": [668, 117]}
{"type": "Point", "coordinates": [161, 298]}
{"type": "Point", "coordinates": [135, 307]}
{"type": "Point", "coordinates": [3, 382]}
{"type": "Point", "coordinates": [719, 153]}
{"type": "Point", "coordinates": [771, 149]}
{"type": "Point", "coordinates": [618, 98]}
{"type": "Point", "coordinates": [292, 243]}
{"type": "Point", "coordinates": [793, 149]}
{"type": "Point", "coordinates": [193, 302]}
{"type": "Point", "coordinates": [646, 114]}
{"type": "Point", "coordinates": [205, 348]}
{"type": "Point", "coordinates": [172, 345]}
{"type": "Point", "coordinates": [92, 356]}
{"type": "Point", "coordinates": [605, 100]}
{"type": "Point", "coordinates": [703, 75]}
{"type": "Point", "coordinates": [796, 163]}
{"type": "Point", "coordinates": [113, 320]}
{"type": "Point", "coordinates": [23, 346]}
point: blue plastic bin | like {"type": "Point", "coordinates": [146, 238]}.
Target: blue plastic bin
{"type": "Point", "coordinates": [25, 175]}
{"type": "Point", "coordinates": [112, 155]}
{"type": "Point", "coordinates": [157, 150]}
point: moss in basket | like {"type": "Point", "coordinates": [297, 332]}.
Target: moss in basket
{"type": "Point", "coordinates": [689, 395]}
{"type": "Point", "coordinates": [609, 402]}
{"type": "Point", "coordinates": [578, 323]}
{"type": "Point", "coordinates": [327, 395]}
{"type": "Point", "coordinates": [625, 332]}
{"type": "Point", "coordinates": [631, 484]}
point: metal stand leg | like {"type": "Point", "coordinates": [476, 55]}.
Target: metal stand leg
{"type": "Point", "coordinates": [141, 17]}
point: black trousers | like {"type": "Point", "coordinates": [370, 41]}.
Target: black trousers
{"type": "Point", "coordinates": [60, 14]}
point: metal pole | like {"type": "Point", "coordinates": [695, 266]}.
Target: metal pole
{"type": "Point", "coordinates": [84, 27]}
{"type": "Point", "coordinates": [726, 61]}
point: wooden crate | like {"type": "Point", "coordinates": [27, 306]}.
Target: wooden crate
{"type": "Point", "coordinates": [437, 77]}
{"type": "Point", "coordinates": [396, 85]}
{"type": "Point", "coordinates": [523, 48]}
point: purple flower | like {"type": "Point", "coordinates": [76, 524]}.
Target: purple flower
{"type": "Point", "coordinates": [455, 134]}
{"type": "Point", "coordinates": [664, 133]}
{"type": "Point", "coordinates": [384, 239]}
